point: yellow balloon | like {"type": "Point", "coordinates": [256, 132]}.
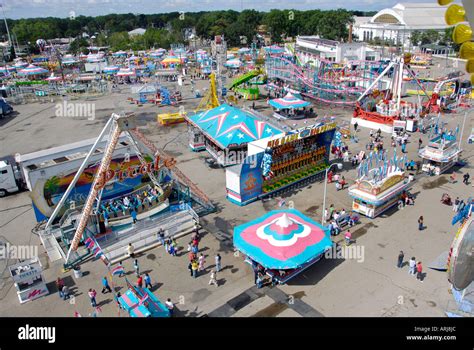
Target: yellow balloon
{"type": "Point", "coordinates": [462, 33]}
{"type": "Point", "coordinates": [444, 2]}
{"type": "Point", "coordinates": [467, 50]}
{"type": "Point", "coordinates": [470, 66]}
{"type": "Point", "coordinates": [455, 14]}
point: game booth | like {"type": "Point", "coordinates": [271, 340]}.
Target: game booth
{"type": "Point", "coordinates": [225, 132]}
{"type": "Point", "coordinates": [282, 243]}
{"type": "Point", "coordinates": [141, 302]}
{"type": "Point", "coordinates": [291, 106]}
{"type": "Point", "coordinates": [441, 154]}
{"type": "Point", "coordinates": [277, 163]}
{"type": "Point", "coordinates": [380, 185]}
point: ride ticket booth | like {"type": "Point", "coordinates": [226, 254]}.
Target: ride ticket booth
{"type": "Point", "coordinates": [29, 281]}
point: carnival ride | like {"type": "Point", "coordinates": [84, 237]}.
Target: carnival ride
{"type": "Point", "coordinates": [283, 243]}
{"type": "Point", "coordinates": [460, 263]}
{"type": "Point", "coordinates": [448, 94]}
{"type": "Point", "coordinates": [325, 82]}
{"type": "Point", "coordinates": [210, 99]}
{"type": "Point", "coordinates": [141, 302]}
{"type": "Point", "coordinates": [242, 85]}
{"type": "Point", "coordinates": [163, 173]}
{"type": "Point", "coordinates": [378, 109]}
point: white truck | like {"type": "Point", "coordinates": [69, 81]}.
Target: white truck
{"type": "Point", "coordinates": [11, 179]}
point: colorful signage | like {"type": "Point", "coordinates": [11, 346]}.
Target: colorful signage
{"type": "Point", "coordinates": [133, 171]}
{"type": "Point", "coordinates": [315, 130]}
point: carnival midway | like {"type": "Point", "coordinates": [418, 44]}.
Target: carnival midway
{"type": "Point", "coordinates": [207, 180]}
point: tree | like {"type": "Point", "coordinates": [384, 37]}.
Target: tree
{"type": "Point", "coordinates": [429, 37]}
{"type": "Point", "coordinates": [78, 45]}
{"type": "Point", "coordinates": [415, 37]}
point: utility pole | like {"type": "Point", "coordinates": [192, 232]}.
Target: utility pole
{"type": "Point", "coordinates": [6, 26]}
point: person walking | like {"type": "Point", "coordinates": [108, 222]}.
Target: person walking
{"type": "Point", "coordinates": [355, 126]}
{"type": "Point", "coordinates": [201, 261]}
{"type": "Point", "coordinates": [412, 266]}
{"type": "Point", "coordinates": [170, 306]}
{"type": "Point", "coordinates": [331, 211]}
{"type": "Point", "coordinates": [92, 295]}
{"type": "Point", "coordinates": [147, 280]}
{"type": "Point", "coordinates": [60, 285]}
{"type": "Point", "coordinates": [133, 213]}
{"type": "Point", "coordinates": [105, 285]}
{"type": "Point", "coordinates": [190, 268]}
{"type": "Point", "coordinates": [465, 178]}
{"type": "Point", "coordinates": [456, 205]}
{"type": "Point", "coordinates": [140, 281]}
{"type": "Point", "coordinates": [130, 250]}
{"type": "Point", "coordinates": [400, 259]}
{"type": "Point", "coordinates": [218, 262]}
{"type": "Point", "coordinates": [420, 142]}
{"type": "Point", "coordinates": [65, 292]}
{"type": "Point", "coordinates": [259, 281]}
{"type": "Point", "coordinates": [136, 267]}
{"type": "Point", "coordinates": [419, 271]}
{"type": "Point", "coordinates": [213, 279]}
{"type": "Point", "coordinates": [161, 236]}
{"type": "Point", "coordinates": [420, 223]}
{"type": "Point", "coordinates": [348, 237]}
{"type": "Point", "coordinates": [195, 267]}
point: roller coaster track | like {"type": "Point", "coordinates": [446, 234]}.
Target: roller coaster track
{"type": "Point", "coordinates": [298, 75]}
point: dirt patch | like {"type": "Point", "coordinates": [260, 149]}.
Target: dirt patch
{"type": "Point", "coordinates": [299, 295]}
{"type": "Point", "coordinates": [363, 230]}
{"type": "Point", "coordinates": [440, 181]}
{"type": "Point", "coordinates": [312, 211]}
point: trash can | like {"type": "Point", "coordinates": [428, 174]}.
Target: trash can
{"type": "Point", "coordinates": [77, 272]}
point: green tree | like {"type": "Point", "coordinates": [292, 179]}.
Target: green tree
{"type": "Point", "coordinates": [415, 37]}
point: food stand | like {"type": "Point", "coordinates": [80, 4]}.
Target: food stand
{"type": "Point", "coordinates": [379, 188]}
{"type": "Point", "coordinates": [441, 154]}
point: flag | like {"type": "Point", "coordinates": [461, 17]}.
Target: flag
{"type": "Point", "coordinates": [119, 270]}
{"type": "Point", "coordinates": [104, 259]}
{"type": "Point", "coordinates": [89, 243]}
{"type": "Point", "coordinates": [97, 252]}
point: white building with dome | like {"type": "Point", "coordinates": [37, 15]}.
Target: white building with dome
{"type": "Point", "coordinates": [398, 22]}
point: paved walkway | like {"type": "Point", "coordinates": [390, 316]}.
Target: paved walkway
{"type": "Point", "coordinates": [253, 293]}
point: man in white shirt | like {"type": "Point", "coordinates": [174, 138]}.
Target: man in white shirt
{"type": "Point", "coordinates": [170, 306]}
{"type": "Point", "coordinates": [130, 250]}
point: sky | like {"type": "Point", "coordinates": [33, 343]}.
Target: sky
{"type": "Point", "coordinates": [64, 8]}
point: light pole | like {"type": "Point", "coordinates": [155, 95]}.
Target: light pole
{"type": "Point", "coordinates": [339, 166]}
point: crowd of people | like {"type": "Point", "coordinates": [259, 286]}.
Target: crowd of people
{"type": "Point", "coordinates": [129, 205]}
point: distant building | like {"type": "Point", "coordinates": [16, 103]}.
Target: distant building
{"type": "Point", "coordinates": [397, 23]}
{"type": "Point", "coordinates": [312, 48]}
{"type": "Point", "coordinates": [136, 32]}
